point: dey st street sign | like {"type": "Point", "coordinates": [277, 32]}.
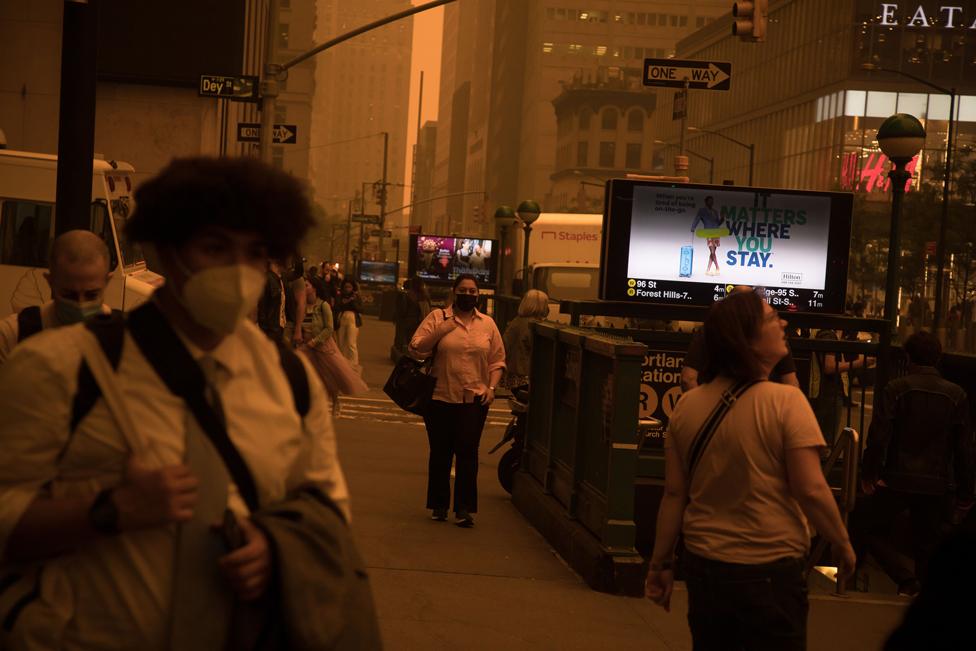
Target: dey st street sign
{"type": "Point", "coordinates": [284, 134]}
{"type": "Point", "coordinates": [366, 219]}
{"type": "Point", "coordinates": [236, 88]}
{"type": "Point", "coordinates": [700, 75]}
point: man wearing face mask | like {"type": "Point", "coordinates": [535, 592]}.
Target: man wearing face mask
{"type": "Point", "coordinates": [77, 276]}
{"type": "Point", "coordinates": [131, 543]}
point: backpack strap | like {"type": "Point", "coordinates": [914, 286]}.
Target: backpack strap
{"type": "Point", "coordinates": [297, 379]}
{"type": "Point", "coordinates": [707, 431]}
{"type": "Point", "coordinates": [181, 374]}
{"type": "Point", "coordinates": [109, 330]}
{"type": "Point", "coordinates": [29, 322]}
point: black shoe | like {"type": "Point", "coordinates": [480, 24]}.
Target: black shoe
{"type": "Point", "coordinates": [909, 588]}
{"type": "Point", "coordinates": [438, 515]}
{"type": "Point", "coordinates": [463, 519]}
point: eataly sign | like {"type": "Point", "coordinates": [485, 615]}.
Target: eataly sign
{"type": "Point", "coordinates": [952, 14]}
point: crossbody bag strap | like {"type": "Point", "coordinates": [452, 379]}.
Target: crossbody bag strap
{"type": "Point", "coordinates": [707, 431]}
{"type": "Point", "coordinates": [429, 362]}
{"type": "Point", "coordinates": [181, 374]}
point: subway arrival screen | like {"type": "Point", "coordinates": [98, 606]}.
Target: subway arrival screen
{"type": "Point", "coordinates": [687, 244]}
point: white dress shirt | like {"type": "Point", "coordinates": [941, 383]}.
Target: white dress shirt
{"type": "Point", "coordinates": [119, 588]}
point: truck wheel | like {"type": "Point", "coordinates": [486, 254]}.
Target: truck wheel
{"type": "Point", "coordinates": [508, 465]}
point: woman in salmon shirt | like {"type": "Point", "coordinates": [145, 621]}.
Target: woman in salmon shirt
{"type": "Point", "coordinates": [469, 358]}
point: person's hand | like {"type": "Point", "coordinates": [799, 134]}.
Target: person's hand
{"type": "Point", "coordinates": [446, 326]}
{"type": "Point", "coordinates": [658, 586]}
{"type": "Point", "coordinates": [487, 397]}
{"type": "Point", "coordinates": [297, 339]}
{"type": "Point", "coordinates": [155, 497]}
{"type": "Point", "coordinates": [867, 486]}
{"type": "Point", "coordinates": [846, 561]}
{"type": "Point", "coordinates": [248, 569]}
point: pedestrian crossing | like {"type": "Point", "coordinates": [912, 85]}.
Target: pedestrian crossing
{"type": "Point", "coordinates": [383, 410]}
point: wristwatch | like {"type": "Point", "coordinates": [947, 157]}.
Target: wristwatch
{"type": "Point", "coordinates": [492, 388]}
{"type": "Point", "coordinates": [104, 514]}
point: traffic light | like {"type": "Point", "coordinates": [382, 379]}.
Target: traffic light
{"type": "Point", "coordinates": [750, 19]}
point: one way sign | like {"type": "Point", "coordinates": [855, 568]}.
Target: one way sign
{"type": "Point", "coordinates": [284, 134]}
{"type": "Point", "coordinates": [673, 73]}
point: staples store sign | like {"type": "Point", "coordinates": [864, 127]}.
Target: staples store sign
{"type": "Point", "coordinates": [911, 14]}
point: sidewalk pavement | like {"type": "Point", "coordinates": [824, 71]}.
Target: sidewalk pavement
{"type": "Point", "coordinates": [500, 585]}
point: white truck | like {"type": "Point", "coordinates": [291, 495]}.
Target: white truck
{"type": "Point", "coordinates": [27, 191]}
{"type": "Point", "coordinates": [564, 255]}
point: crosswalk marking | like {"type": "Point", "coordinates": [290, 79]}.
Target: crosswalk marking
{"type": "Point", "coordinates": [383, 410]}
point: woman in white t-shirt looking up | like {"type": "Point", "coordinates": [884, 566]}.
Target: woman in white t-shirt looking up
{"type": "Point", "coordinates": [743, 512]}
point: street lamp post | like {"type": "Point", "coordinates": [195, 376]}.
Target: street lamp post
{"type": "Point", "coordinates": [504, 217]}
{"type": "Point", "coordinates": [940, 252]}
{"type": "Point", "coordinates": [528, 211]}
{"type": "Point", "coordinates": [710, 161]}
{"type": "Point", "coordinates": [750, 146]}
{"type": "Point", "coordinates": [901, 137]}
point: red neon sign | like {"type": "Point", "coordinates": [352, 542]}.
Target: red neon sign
{"type": "Point", "coordinates": [873, 176]}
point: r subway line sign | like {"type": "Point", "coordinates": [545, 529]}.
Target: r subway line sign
{"type": "Point", "coordinates": [677, 73]}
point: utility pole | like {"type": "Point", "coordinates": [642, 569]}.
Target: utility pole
{"type": "Point", "coordinates": [269, 84]}
{"type": "Point", "coordinates": [386, 151]}
{"type": "Point", "coordinates": [76, 120]}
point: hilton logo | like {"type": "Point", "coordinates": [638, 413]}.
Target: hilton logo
{"type": "Point", "coordinates": [790, 278]}
{"type": "Point", "coordinates": [947, 16]}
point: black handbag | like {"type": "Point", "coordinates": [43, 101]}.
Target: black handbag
{"type": "Point", "coordinates": [410, 385]}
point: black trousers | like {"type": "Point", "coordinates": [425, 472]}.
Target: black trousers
{"type": "Point", "coordinates": [871, 529]}
{"type": "Point", "coordinates": [454, 432]}
{"type": "Point", "coordinates": [734, 607]}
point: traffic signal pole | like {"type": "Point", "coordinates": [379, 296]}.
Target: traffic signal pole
{"type": "Point", "coordinates": [273, 72]}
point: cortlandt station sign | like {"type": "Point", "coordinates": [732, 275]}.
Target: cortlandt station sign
{"type": "Point", "coordinates": [912, 14]}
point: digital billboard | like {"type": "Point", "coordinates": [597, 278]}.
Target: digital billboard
{"type": "Point", "coordinates": [688, 244]}
{"type": "Point", "coordinates": [441, 258]}
{"type": "Point", "coordinates": [372, 271]}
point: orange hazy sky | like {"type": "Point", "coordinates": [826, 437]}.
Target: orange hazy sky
{"type": "Point", "coordinates": [427, 28]}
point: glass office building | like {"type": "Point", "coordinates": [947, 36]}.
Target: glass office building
{"type": "Point", "coordinates": [807, 102]}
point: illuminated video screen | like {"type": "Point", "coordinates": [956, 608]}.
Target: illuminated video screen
{"type": "Point", "coordinates": [687, 244]}
{"type": "Point", "coordinates": [442, 258]}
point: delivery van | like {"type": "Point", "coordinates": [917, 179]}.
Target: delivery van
{"type": "Point", "coordinates": [564, 255]}
{"type": "Point", "coordinates": [27, 191]}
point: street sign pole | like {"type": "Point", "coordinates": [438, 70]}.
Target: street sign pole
{"type": "Point", "coordinates": [269, 85]}
{"type": "Point", "coordinates": [681, 162]}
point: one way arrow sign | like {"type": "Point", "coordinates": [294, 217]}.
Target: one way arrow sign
{"type": "Point", "coordinates": [674, 73]}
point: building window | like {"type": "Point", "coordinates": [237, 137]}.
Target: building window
{"type": "Point", "coordinates": [608, 153]}
{"type": "Point", "coordinates": [674, 21]}
{"type": "Point", "coordinates": [283, 32]}
{"type": "Point", "coordinates": [641, 18]}
{"type": "Point", "coordinates": [609, 119]}
{"type": "Point", "coordinates": [633, 156]}
{"type": "Point", "coordinates": [584, 119]}
{"type": "Point", "coordinates": [700, 22]}
{"type": "Point", "coordinates": [25, 233]}
{"type": "Point", "coordinates": [635, 120]}
{"type": "Point", "coordinates": [683, 21]}
{"type": "Point", "coordinates": [551, 13]}
{"type": "Point", "coordinates": [582, 154]}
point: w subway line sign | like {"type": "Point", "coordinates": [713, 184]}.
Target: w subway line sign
{"type": "Point", "coordinates": [700, 75]}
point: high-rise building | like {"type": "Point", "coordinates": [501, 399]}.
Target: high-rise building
{"type": "Point", "coordinates": [504, 64]}
{"type": "Point", "coordinates": [423, 173]}
{"type": "Point", "coordinates": [362, 90]}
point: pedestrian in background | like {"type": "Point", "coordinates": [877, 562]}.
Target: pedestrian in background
{"type": "Point", "coordinates": [919, 458]}
{"type": "Point", "coordinates": [348, 307]}
{"type": "Point", "coordinates": [295, 301]}
{"type": "Point", "coordinates": [413, 306]}
{"type": "Point", "coordinates": [272, 315]}
{"type": "Point", "coordinates": [78, 274]}
{"type": "Point", "coordinates": [469, 359]}
{"type": "Point", "coordinates": [533, 307]}
{"type": "Point", "coordinates": [320, 347]}
{"type": "Point", "coordinates": [737, 488]}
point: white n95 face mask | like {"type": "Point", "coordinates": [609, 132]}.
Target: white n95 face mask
{"type": "Point", "coordinates": [220, 298]}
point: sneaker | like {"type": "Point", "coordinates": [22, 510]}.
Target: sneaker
{"type": "Point", "coordinates": [909, 588]}
{"type": "Point", "coordinates": [438, 515]}
{"type": "Point", "coordinates": [463, 519]}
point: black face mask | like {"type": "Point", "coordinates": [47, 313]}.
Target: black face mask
{"type": "Point", "coordinates": [465, 302]}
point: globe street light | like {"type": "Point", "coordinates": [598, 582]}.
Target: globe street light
{"type": "Point", "coordinates": [528, 211]}
{"type": "Point", "coordinates": [504, 217]}
{"type": "Point", "coordinates": [940, 253]}
{"type": "Point", "coordinates": [901, 137]}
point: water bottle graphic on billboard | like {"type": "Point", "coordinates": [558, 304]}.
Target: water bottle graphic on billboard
{"type": "Point", "coordinates": [687, 258]}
